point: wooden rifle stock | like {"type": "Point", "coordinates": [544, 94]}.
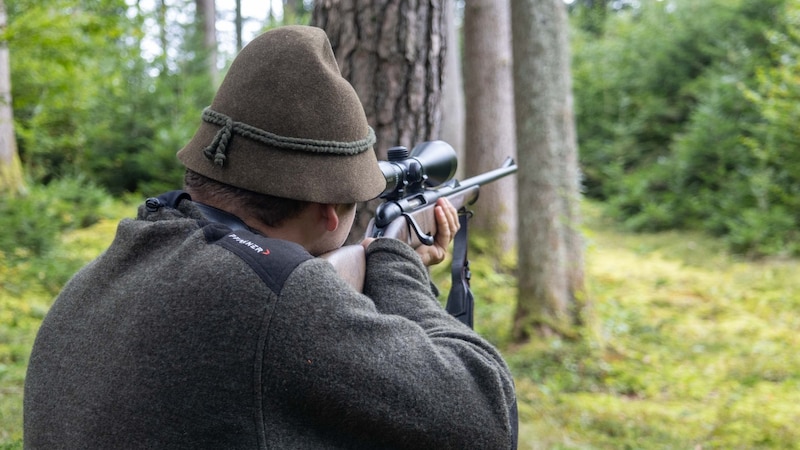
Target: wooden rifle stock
{"type": "Point", "coordinates": [351, 263]}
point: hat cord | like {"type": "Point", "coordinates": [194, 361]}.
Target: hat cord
{"type": "Point", "coordinates": [216, 152]}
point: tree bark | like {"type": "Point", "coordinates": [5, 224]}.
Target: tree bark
{"type": "Point", "coordinates": [393, 53]}
{"type": "Point", "coordinates": [551, 248]}
{"type": "Point", "coordinates": [490, 127]}
{"type": "Point", "coordinates": [11, 180]}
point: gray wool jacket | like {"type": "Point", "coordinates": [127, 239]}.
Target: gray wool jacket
{"type": "Point", "coordinates": [187, 333]}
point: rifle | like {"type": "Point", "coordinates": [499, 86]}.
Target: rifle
{"type": "Point", "coordinates": [414, 181]}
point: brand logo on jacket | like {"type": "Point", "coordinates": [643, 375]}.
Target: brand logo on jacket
{"type": "Point", "coordinates": [249, 244]}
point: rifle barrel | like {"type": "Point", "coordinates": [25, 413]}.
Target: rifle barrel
{"type": "Point", "coordinates": [508, 167]}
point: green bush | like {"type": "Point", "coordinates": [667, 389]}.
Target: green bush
{"type": "Point", "coordinates": [687, 117]}
{"type": "Point", "coordinates": [31, 222]}
{"type": "Point", "coordinates": [87, 102]}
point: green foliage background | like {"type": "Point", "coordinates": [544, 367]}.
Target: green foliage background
{"type": "Point", "coordinates": [89, 103]}
{"type": "Point", "coordinates": [686, 109]}
{"type": "Point", "coordinates": [686, 113]}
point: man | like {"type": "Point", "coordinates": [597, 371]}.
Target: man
{"type": "Point", "coordinates": [210, 324]}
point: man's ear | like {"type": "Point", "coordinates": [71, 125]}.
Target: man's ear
{"type": "Point", "coordinates": [330, 216]}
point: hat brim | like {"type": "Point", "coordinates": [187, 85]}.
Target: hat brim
{"type": "Point", "coordinates": [287, 173]}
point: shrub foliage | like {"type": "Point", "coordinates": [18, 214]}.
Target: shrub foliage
{"type": "Point", "coordinates": [686, 118]}
{"type": "Point", "coordinates": [89, 101]}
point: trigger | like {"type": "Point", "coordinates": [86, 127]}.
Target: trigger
{"type": "Point", "coordinates": [426, 239]}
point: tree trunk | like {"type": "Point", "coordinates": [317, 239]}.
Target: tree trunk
{"type": "Point", "coordinates": [238, 23]}
{"type": "Point", "coordinates": [161, 18]}
{"type": "Point", "coordinates": [207, 17]}
{"type": "Point", "coordinates": [452, 129]}
{"type": "Point", "coordinates": [393, 53]}
{"type": "Point", "coordinates": [551, 248]}
{"type": "Point", "coordinates": [490, 115]}
{"type": "Point", "coordinates": [11, 180]}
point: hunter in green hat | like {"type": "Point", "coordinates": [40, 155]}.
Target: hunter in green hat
{"type": "Point", "coordinates": [210, 322]}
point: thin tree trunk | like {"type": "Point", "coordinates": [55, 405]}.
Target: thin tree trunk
{"type": "Point", "coordinates": [207, 16]}
{"type": "Point", "coordinates": [452, 129]}
{"type": "Point", "coordinates": [551, 248]}
{"type": "Point", "coordinates": [161, 14]}
{"type": "Point", "coordinates": [490, 127]}
{"type": "Point", "coordinates": [239, 27]}
{"type": "Point", "coordinates": [393, 53]}
{"type": "Point", "coordinates": [11, 180]}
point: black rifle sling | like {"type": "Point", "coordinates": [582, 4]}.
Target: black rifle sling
{"type": "Point", "coordinates": [460, 302]}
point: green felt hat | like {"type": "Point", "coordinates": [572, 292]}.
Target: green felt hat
{"type": "Point", "coordinates": [285, 123]}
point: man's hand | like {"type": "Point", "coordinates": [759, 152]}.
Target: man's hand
{"type": "Point", "coordinates": [446, 227]}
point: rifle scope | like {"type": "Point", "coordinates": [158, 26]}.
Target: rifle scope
{"type": "Point", "coordinates": [428, 165]}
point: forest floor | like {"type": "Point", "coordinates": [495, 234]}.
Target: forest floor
{"type": "Point", "coordinates": [686, 346]}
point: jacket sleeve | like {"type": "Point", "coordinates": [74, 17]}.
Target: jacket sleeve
{"type": "Point", "coordinates": [390, 367]}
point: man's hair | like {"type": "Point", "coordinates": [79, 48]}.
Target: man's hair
{"type": "Point", "coordinates": [272, 211]}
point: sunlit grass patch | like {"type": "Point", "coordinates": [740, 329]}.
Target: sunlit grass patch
{"type": "Point", "coordinates": [688, 341]}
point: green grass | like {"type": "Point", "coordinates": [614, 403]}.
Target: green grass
{"type": "Point", "coordinates": [687, 346]}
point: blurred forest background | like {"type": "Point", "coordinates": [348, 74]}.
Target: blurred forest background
{"type": "Point", "coordinates": [686, 114]}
